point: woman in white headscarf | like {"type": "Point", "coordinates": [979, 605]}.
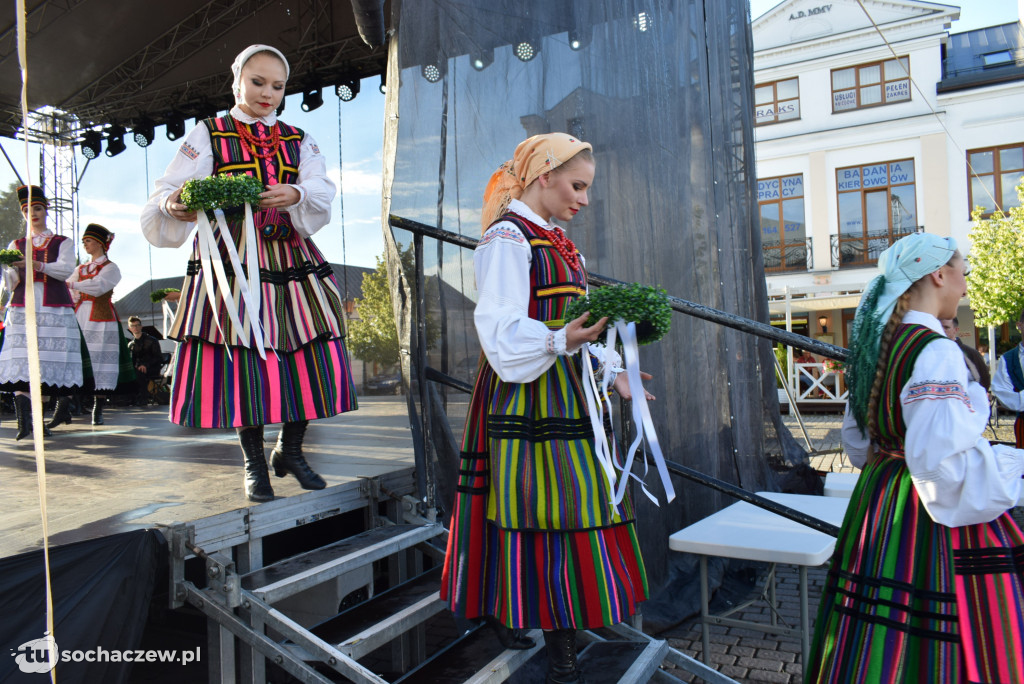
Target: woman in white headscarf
{"type": "Point", "coordinates": [927, 581]}
{"type": "Point", "coordinates": [269, 351]}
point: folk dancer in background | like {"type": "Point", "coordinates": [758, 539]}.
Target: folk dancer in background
{"type": "Point", "coordinates": [1008, 383]}
{"type": "Point", "coordinates": [92, 289]}
{"type": "Point", "coordinates": [60, 341]}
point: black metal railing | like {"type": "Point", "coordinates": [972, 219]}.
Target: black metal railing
{"type": "Point", "coordinates": [792, 256]}
{"type": "Point", "coordinates": [863, 249]}
{"type": "Point", "coordinates": [420, 230]}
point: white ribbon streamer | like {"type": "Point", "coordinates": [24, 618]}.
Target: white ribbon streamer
{"type": "Point", "coordinates": [595, 409]}
{"type": "Point", "coordinates": [249, 287]}
{"type": "Point", "coordinates": [641, 411]}
{"type": "Point", "coordinates": [596, 398]}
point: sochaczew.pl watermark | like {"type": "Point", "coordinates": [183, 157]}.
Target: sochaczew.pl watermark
{"type": "Point", "coordinates": [41, 655]}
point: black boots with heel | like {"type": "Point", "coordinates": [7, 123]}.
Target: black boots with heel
{"type": "Point", "coordinates": [514, 639]}
{"type": "Point", "coordinates": [257, 478]}
{"type": "Point", "coordinates": [97, 409]}
{"type": "Point", "coordinates": [23, 413]}
{"type": "Point", "coordinates": [61, 413]}
{"type": "Point", "coordinates": [561, 648]}
{"type": "Point", "coordinates": [287, 456]}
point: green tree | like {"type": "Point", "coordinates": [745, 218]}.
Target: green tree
{"type": "Point", "coordinates": [995, 284]}
{"type": "Point", "coordinates": [373, 337]}
{"type": "Point", "coordinates": [12, 222]}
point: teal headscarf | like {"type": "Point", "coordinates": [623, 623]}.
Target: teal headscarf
{"type": "Point", "coordinates": [902, 265]}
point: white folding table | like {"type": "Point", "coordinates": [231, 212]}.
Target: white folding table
{"type": "Point", "coordinates": [745, 531]}
{"type": "Point", "coordinates": [840, 484]}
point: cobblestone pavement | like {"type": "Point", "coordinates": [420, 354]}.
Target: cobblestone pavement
{"type": "Point", "coordinates": [752, 656]}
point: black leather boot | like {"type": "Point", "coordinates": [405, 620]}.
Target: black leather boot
{"type": "Point", "coordinates": [97, 409]}
{"type": "Point", "coordinates": [257, 478]}
{"type": "Point", "coordinates": [287, 456]}
{"type": "Point", "coordinates": [61, 413]}
{"type": "Point", "coordinates": [561, 648]}
{"type": "Point", "coordinates": [514, 639]}
{"type": "Point", "coordinates": [23, 412]}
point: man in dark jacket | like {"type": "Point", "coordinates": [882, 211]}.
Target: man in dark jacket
{"type": "Point", "coordinates": [146, 357]}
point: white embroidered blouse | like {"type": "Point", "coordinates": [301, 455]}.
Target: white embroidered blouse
{"type": "Point", "coordinates": [960, 478]}
{"type": "Point", "coordinates": [519, 348]}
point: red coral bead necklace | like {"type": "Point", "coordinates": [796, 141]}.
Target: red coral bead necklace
{"type": "Point", "coordinates": [262, 146]}
{"type": "Point", "coordinates": [563, 245]}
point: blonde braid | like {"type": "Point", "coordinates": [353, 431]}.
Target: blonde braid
{"type": "Point", "coordinates": [902, 306]}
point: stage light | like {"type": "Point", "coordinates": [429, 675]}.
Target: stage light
{"type": "Point", "coordinates": [525, 50]}
{"type": "Point", "coordinates": [115, 141]}
{"type": "Point", "coordinates": [92, 143]}
{"type": "Point", "coordinates": [175, 128]}
{"type": "Point", "coordinates": [481, 60]}
{"type": "Point", "coordinates": [579, 39]}
{"type": "Point", "coordinates": [348, 90]}
{"type": "Point", "coordinates": [643, 22]}
{"type": "Point", "coordinates": [312, 99]}
{"type": "Point", "coordinates": [143, 134]}
{"type": "Point", "coordinates": [432, 72]}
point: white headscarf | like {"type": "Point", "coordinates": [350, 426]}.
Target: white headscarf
{"type": "Point", "coordinates": [243, 57]}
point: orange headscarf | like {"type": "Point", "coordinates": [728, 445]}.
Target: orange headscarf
{"type": "Point", "coordinates": [533, 157]}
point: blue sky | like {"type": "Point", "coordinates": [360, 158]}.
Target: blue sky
{"type": "Point", "coordinates": [114, 189]}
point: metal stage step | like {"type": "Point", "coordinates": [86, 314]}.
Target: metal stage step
{"type": "Point", "coordinates": [373, 623]}
{"type": "Point", "coordinates": [298, 573]}
{"type": "Point", "coordinates": [478, 658]}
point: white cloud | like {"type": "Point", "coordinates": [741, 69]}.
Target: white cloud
{"type": "Point", "coordinates": [358, 181]}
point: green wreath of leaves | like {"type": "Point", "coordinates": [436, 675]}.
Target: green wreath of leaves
{"type": "Point", "coordinates": [9, 256]}
{"type": "Point", "coordinates": [221, 191]}
{"type": "Point", "coordinates": [644, 305]}
{"type": "Point", "coordinates": [157, 295]}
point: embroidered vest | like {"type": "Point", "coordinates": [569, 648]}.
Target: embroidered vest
{"type": "Point", "coordinates": [231, 155]}
{"type": "Point", "coordinates": [55, 290]}
{"type": "Point", "coordinates": [102, 308]}
{"type": "Point", "coordinates": [553, 282]}
{"type": "Point", "coordinates": [907, 344]}
{"type": "Point", "coordinates": [1014, 370]}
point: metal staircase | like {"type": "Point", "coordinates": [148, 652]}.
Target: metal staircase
{"type": "Point", "coordinates": [251, 624]}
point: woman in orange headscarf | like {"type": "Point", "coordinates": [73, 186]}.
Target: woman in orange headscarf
{"type": "Point", "coordinates": [535, 541]}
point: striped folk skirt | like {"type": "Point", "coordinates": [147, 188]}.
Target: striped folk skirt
{"type": "Point", "coordinates": [546, 569]}
{"type": "Point", "coordinates": [219, 387]}
{"type": "Point", "coordinates": [909, 600]}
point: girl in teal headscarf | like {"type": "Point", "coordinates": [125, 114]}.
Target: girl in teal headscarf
{"type": "Point", "coordinates": [927, 580]}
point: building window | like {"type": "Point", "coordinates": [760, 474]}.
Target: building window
{"type": "Point", "coordinates": [993, 176]}
{"type": "Point", "coordinates": [784, 240]}
{"type": "Point", "coordinates": [870, 85]}
{"type": "Point", "coordinates": [877, 206]}
{"type": "Point", "coordinates": [776, 101]}
{"type": "Point", "coordinates": [996, 59]}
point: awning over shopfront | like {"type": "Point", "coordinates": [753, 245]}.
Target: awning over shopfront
{"type": "Point", "coordinates": [801, 303]}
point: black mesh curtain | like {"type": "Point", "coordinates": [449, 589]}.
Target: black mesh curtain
{"type": "Point", "coordinates": [663, 91]}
